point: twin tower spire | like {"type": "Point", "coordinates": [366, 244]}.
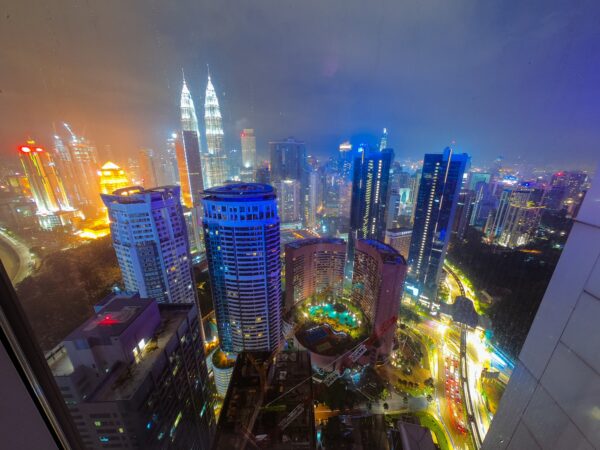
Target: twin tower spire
{"type": "Point", "coordinates": [213, 158]}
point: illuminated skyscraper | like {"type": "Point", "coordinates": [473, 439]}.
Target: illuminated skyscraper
{"type": "Point", "coordinates": [241, 233]}
{"type": "Point", "coordinates": [346, 157]}
{"type": "Point", "coordinates": [441, 182]}
{"type": "Point", "coordinates": [151, 242]}
{"type": "Point", "coordinates": [248, 148]}
{"type": "Point", "coordinates": [188, 157]}
{"type": "Point", "coordinates": [215, 170]}
{"type": "Point", "coordinates": [369, 196]}
{"type": "Point", "coordinates": [112, 177]}
{"type": "Point", "coordinates": [84, 158]}
{"type": "Point", "coordinates": [46, 186]}
{"type": "Point", "coordinates": [383, 143]}
{"type": "Point", "coordinates": [148, 168]}
{"type": "Point", "coordinates": [288, 197]}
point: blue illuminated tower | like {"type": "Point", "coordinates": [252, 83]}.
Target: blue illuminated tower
{"type": "Point", "coordinates": [441, 182]}
{"type": "Point", "coordinates": [241, 234]}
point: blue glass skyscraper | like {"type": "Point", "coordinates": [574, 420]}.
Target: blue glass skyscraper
{"type": "Point", "coordinates": [441, 182]}
{"type": "Point", "coordinates": [370, 180]}
{"type": "Point", "coordinates": [241, 234]}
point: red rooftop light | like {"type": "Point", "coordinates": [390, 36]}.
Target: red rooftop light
{"type": "Point", "coordinates": [25, 149]}
{"type": "Point", "coordinates": [108, 320]}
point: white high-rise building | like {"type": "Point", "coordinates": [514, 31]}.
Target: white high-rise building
{"type": "Point", "coordinates": [289, 200]}
{"type": "Point", "coordinates": [241, 233]}
{"type": "Point", "coordinates": [215, 160]}
{"type": "Point", "coordinates": [150, 238]}
{"type": "Point", "coordinates": [248, 148]}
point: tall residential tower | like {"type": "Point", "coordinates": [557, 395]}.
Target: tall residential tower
{"type": "Point", "coordinates": [241, 233]}
{"type": "Point", "coordinates": [151, 242]}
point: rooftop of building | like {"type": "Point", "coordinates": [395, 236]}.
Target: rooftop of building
{"type": "Point", "coordinates": [125, 381]}
{"type": "Point", "coordinates": [240, 192]}
{"type": "Point", "coordinates": [388, 254]}
{"type": "Point", "coordinates": [267, 418]}
{"type": "Point", "coordinates": [315, 241]}
{"type": "Point", "coordinates": [112, 319]}
{"type": "Point", "coordinates": [139, 194]}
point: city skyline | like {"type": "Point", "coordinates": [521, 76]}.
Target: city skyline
{"type": "Point", "coordinates": [313, 225]}
{"type": "Point", "coordinates": [426, 100]}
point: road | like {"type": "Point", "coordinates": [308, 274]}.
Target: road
{"type": "Point", "coordinates": [16, 257]}
{"type": "Point", "coordinates": [472, 398]}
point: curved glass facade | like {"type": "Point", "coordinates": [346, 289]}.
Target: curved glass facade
{"type": "Point", "coordinates": [241, 233]}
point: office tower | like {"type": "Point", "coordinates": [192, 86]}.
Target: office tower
{"type": "Point", "coordinates": [241, 234]}
{"type": "Point", "coordinates": [484, 203]}
{"type": "Point", "coordinates": [464, 209]}
{"type": "Point", "coordinates": [552, 396]}
{"type": "Point", "coordinates": [399, 239]}
{"type": "Point", "coordinates": [288, 160]}
{"type": "Point", "coordinates": [369, 196]}
{"type": "Point", "coordinates": [289, 201]}
{"type": "Point", "coordinates": [150, 238]}
{"type": "Point", "coordinates": [67, 172]}
{"type": "Point", "coordinates": [263, 175]}
{"type": "Point", "coordinates": [435, 210]}
{"type": "Point", "coordinates": [313, 267]}
{"type": "Point", "coordinates": [346, 157]}
{"type": "Point", "coordinates": [85, 161]}
{"type": "Point", "coordinates": [184, 179]}
{"type": "Point", "coordinates": [133, 169]}
{"type": "Point", "coordinates": [148, 167]}
{"type": "Point", "coordinates": [170, 168]}
{"type": "Point", "coordinates": [377, 284]}
{"type": "Point", "coordinates": [188, 154]}
{"type": "Point", "coordinates": [255, 414]}
{"type": "Point", "coordinates": [383, 143]}
{"type": "Point", "coordinates": [46, 186]}
{"type": "Point", "coordinates": [112, 177]}
{"type": "Point", "coordinates": [248, 148]}
{"type": "Point", "coordinates": [215, 170]}
{"type": "Point", "coordinates": [312, 200]}
{"type": "Point", "coordinates": [134, 376]}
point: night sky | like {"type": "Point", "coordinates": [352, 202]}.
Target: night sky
{"type": "Point", "coordinates": [512, 78]}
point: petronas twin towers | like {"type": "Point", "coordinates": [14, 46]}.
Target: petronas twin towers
{"type": "Point", "coordinates": [212, 169]}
